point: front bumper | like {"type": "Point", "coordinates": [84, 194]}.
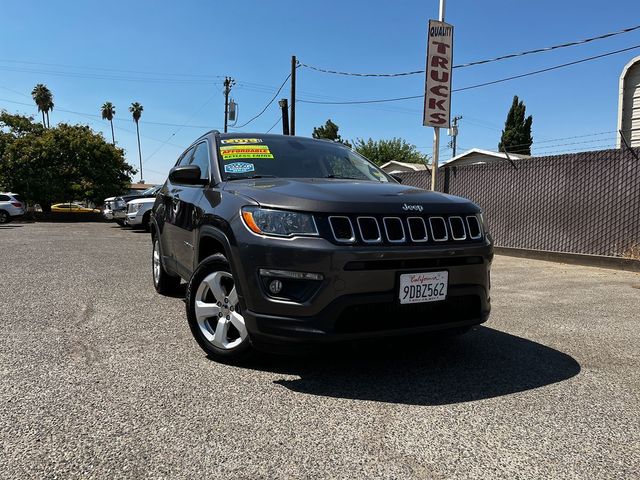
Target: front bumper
{"type": "Point", "coordinates": [119, 214]}
{"type": "Point", "coordinates": [358, 296]}
{"type": "Point", "coordinates": [135, 218]}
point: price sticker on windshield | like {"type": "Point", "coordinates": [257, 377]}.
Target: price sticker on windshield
{"type": "Point", "coordinates": [234, 152]}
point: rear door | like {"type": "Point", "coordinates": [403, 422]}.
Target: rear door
{"type": "Point", "coordinates": [189, 211]}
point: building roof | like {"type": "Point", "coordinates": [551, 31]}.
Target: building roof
{"type": "Point", "coordinates": [487, 153]}
{"type": "Point", "coordinates": [416, 167]}
{"type": "Point", "coordinates": [140, 186]}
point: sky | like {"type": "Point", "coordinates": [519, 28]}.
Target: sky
{"type": "Point", "coordinates": [173, 56]}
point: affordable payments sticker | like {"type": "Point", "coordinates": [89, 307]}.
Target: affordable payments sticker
{"type": "Point", "coordinates": [233, 152]}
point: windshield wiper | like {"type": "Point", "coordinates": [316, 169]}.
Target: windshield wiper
{"type": "Point", "coordinates": [249, 177]}
{"type": "Point", "coordinates": [344, 177]}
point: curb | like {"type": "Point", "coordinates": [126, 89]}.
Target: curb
{"type": "Point", "coordinates": [600, 261]}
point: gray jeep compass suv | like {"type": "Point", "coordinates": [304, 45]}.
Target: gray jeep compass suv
{"type": "Point", "coordinates": [288, 239]}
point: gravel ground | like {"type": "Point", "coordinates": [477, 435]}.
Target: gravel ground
{"type": "Point", "coordinates": [100, 378]}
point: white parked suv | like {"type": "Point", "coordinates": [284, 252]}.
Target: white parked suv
{"type": "Point", "coordinates": [139, 209]}
{"type": "Point", "coordinates": [11, 206]}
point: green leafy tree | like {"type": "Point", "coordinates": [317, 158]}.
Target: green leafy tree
{"type": "Point", "coordinates": [108, 111]}
{"type": "Point", "coordinates": [43, 98]}
{"type": "Point", "coordinates": [136, 112]}
{"type": "Point", "coordinates": [63, 163]}
{"type": "Point", "coordinates": [383, 151]}
{"type": "Point", "coordinates": [329, 131]}
{"type": "Point", "coordinates": [516, 136]}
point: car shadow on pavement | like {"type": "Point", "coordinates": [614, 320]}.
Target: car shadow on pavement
{"type": "Point", "coordinates": [484, 363]}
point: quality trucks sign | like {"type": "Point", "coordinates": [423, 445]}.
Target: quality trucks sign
{"type": "Point", "coordinates": [437, 94]}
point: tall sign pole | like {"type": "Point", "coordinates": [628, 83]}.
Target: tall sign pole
{"type": "Point", "coordinates": [294, 65]}
{"type": "Point", "coordinates": [437, 93]}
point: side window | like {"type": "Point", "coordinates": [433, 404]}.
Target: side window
{"type": "Point", "coordinates": [4, 198]}
{"type": "Point", "coordinates": [186, 158]}
{"type": "Point", "coordinates": [201, 159]}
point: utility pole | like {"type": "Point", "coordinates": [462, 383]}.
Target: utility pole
{"type": "Point", "coordinates": [436, 130]}
{"type": "Point", "coordinates": [228, 83]}
{"type": "Point", "coordinates": [294, 65]}
{"type": "Point", "coordinates": [453, 133]}
{"type": "Point", "coordinates": [284, 106]}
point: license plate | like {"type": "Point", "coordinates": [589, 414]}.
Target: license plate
{"type": "Point", "coordinates": [423, 287]}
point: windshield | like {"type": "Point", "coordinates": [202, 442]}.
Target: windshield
{"type": "Point", "coordinates": [292, 157]}
{"type": "Point", "coordinates": [151, 191]}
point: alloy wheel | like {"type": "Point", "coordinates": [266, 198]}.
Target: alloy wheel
{"type": "Point", "coordinates": [217, 313]}
{"type": "Point", "coordinates": [156, 262]}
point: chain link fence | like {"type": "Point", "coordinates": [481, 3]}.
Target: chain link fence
{"type": "Point", "coordinates": [587, 202]}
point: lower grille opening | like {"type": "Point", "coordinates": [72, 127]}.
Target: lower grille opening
{"type": "Point", "coordinates": [392, 316]}
{"type": "Point", "coordinates": [412, 264]}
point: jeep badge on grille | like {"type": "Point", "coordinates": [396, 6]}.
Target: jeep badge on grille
{"type": "Point", "coordinates": [412, 208]}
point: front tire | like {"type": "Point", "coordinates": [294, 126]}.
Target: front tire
{"type": "Point", "coordinates": [164, 283]}
{"type": "Point", "coordinates": [214, 312]}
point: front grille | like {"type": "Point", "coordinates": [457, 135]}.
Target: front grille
{"type": "Point", "coordinates": [474, 227]}
{"type": "Point", "coordinates": [438, 229]}
{"type": "Point", "coordinates": [369, 230]}
{"type": "Point", "coordinates": [457, 228]}
{"type": "Point", "coordinates": [342, 229]}
{"type": "Point", "coordinates": [392, 316]}
{"type": "Point", "coordinates": [394, 229]}
{"type": "Point", "coordinates": [416, 230]}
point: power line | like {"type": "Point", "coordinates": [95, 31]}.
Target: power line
{"type": "Point", "coordinates": [91, 121]}
{"type": "Point", "coordinates": [478, 62]}
{"type": "Point", "coordinates": [274, 125]}
{"type": "Point", "coordinates": [266, 106]}
{"type": "Point", "coordinates": [535, 72]}
{"type": "Point", "coordinates": [179, 128]}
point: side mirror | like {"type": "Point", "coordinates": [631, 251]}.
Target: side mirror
{"type": "Point", "coordinates": [397, 178]}
{"type": "Point", "coordinates": [186, 175]}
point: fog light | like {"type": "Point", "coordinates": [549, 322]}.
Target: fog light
{"type": "Point", "coordinates": [275, 286]}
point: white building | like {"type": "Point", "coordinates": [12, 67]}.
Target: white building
{"type": "Point", "coordinates": [629, 104]}
{"type": "Point", "coordinates": [394, 167]}
{"type": "Point", "coordinates": [478, 156]}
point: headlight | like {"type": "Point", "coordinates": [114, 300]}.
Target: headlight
{"type": "Point", "coordinates": [134, 207]}
{"type": "Point", "coordinates": [278, 222]}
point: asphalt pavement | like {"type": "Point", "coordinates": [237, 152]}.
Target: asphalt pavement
{"type": "Point", "coordinates": [100, 378]}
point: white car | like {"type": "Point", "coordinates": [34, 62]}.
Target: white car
{"type": "Point", "coordinates": [107, 211]}
{"type": "Point", "coordinates": [11, 206]}
{"type": "Point", "coordinates": [139, 209]}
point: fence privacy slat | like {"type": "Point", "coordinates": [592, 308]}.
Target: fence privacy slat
{"type": "Point", "coordinates": [587, 202]}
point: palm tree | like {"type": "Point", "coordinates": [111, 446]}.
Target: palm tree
{"type": "Point", "coordinates": [44, 100]}
{"type": "Point", "coordinates": [108, 111]}
{"type": "Point", "coordinates": [136, 111]}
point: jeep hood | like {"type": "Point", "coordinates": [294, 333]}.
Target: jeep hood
{"type": "Point", "coordinates": [347, 196]}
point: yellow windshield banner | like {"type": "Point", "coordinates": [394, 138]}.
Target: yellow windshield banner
{"type": "Point", "coordinates": [240, 140]}
{"type": "Point", "coordinates": [234, 152]}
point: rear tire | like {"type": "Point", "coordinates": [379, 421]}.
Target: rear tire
{"type": "Point", "coordinates": [164, 283]}
{"type": "Point", "coordinates": [214, 312]}
{"type": "Point", "coordinates": [4, 217]}
{"type": "Point", "coordinates": [120, 222]}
